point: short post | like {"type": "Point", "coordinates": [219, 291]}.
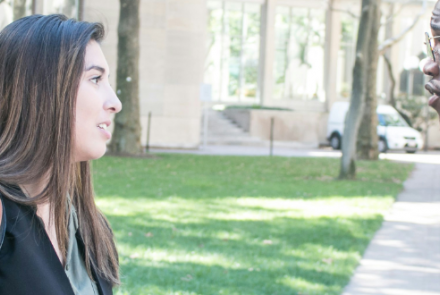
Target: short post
{"type": "Point", "coordinates": [205, 124]}
{"type": "Point", "coordinates": [271, 136]}
{"type": "Point", "coordinates": [147, 147]}
{"type": "Point", "coordinates": [205, 98]}
{"type": "Point", "coordinates": [425, 148]}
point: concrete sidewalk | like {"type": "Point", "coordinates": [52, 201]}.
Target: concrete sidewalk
{"type": "Point", "coordinates": [241, 150]}
{"type": "Point", "coordinates": [289, 151]}
{"type": "Point", "coordinates": [404, 256]}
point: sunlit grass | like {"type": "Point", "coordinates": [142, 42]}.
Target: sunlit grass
{"type": "Point", "coordinates": [241, 225]}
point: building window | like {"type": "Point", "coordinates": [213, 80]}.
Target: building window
{"type": "Point", "coordinates": [346, 56]}
{"type": "Point", "coordinates": [299, 56]}
{"type": "Point", "coordinates": [66, 7]}
{"type": "Point", "coordinates": [232, 62]}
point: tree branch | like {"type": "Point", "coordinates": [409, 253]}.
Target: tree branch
{"type": "Point", "coordinates": [392, 100]}
{"type": "Point", "coordinates": [353, 15]}
{"type": "Point", "coordinates": [393, 40]}
{"type": "Point", "coordinates": [402, 6]}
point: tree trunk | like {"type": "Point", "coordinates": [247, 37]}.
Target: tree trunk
{"type": "Point", "coordinates": [353, 119]}
{"type": "Point", "coordinates": [127, 131]}
{"type": "Point", "coordinates": [367, 138]}
{"type": "Point", "coordinates": [19, 9]}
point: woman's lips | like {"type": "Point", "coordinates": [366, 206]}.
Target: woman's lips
{"type": "Point", "coordinates": [106, 133]}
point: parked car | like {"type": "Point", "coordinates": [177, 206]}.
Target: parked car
{"type": "Point", "coordinates": [394, 133]}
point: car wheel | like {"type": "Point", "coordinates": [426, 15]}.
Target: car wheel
{"type": "Point", "coordinates": [411, 151]}
{"type": "Point", "coordinates": [382, 145]}
{"type": "Point", "coordinates": [335, 141]}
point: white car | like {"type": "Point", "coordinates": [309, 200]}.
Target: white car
{"type": "Point", "coordinates": [394, 133]}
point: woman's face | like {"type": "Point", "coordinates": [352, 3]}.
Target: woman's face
{"type": "Point", "coordinates": [95, 103]}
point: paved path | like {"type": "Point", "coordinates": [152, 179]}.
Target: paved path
{"type": "Point", "coordinates": [404, 256]}
{"type": "Point", "coordinates": [230, 150]}
{"type": "Point", "coordinates": [292, 151]}
{"type": "Point", "coordinates": [241, 150]}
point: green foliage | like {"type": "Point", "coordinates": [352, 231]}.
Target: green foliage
{"type": "Point", "coordinates": [215, 21]}
{"type": "Point", "coordinates": [253, 27]}
{"type": "Point", "coordinates": [414, 107]}
{"type": "Point", "coordinates": [241, 225]}
{"type": "Point", "coordinates": [242, 54]}
{"type": "Point", "coordinates": [347, 30]}
{"type": "Point", "coordinates": [234, 22]}
{"type": "Point", "coordinates": [251, 74]}
{"type": "Point", "coordinates": [299, 31]}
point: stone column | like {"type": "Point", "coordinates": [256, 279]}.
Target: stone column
{"type": "Point", "coordinates": [37, 6]}
{"type": "Point", "coordinates": [267, 50]}
{"type": "Point", "coordinates": [172, 62]}
{"type": "Point", "coordinates": [332, 44]}
{"type": "Point", "coordinates": [173, 50]}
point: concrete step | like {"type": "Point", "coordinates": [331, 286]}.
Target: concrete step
{"type": "Point", "coordinates": [227, 133]}
{"type": "Point", "coordinates": [222, 131]}
{"type": "Point", "coordinates": [234, 140]}
{"type": "Point", "coordinates": [217, 122]}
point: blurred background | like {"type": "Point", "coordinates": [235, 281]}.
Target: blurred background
{"type": "Point", "coordinates": [245, 58]}
{"type": "Point", "coordinates": [225, 84]}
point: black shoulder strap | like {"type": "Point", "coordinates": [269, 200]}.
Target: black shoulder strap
{"type": "Point", "coordinates": [3, 223]}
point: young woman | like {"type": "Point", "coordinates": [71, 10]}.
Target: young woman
{"type": "Point", "coordinates": [55, 107]}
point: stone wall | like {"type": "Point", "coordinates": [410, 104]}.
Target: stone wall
{"type": "Point", "coordinates": [303, 127]}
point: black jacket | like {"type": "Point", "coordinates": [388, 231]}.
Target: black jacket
{"type": "Point", "coordinates": [28, 262]}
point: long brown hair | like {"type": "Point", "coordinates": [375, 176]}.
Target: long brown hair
{"type": "Point", "coordinates": [41, 64]}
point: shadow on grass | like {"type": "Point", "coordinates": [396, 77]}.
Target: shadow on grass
{"type": "Point", "coordinates": [204, 237]}
{"type": "Point", "coordinates": [344, 234]}
{"type": "Point", "coordinates": [299, 250]}
{"type": "Point", "coordinates": [192, 278]}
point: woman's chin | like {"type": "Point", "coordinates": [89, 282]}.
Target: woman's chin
{"type": "Point", "coordinates": [91, 155]}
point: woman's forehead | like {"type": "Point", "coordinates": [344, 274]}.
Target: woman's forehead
{"type": "Point", "coordinates": [95, 56]}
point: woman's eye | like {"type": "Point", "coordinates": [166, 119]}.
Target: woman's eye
{"type": "Point", "coordinates": [95, 80]}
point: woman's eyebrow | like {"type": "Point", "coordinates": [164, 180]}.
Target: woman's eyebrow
{"type": "Point", "coordinates": [93, 67]}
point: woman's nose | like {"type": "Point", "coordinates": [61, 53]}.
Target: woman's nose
{"type": "Point", "coordinates": [431, 68]}
{"type": "Point", "coordinates": [113, 103]}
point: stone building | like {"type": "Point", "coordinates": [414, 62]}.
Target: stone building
{"type": "Point", "coordinates": [291, 54]}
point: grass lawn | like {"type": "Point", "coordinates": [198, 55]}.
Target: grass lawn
{"type": "Point", "coordinates": [206, 225]}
